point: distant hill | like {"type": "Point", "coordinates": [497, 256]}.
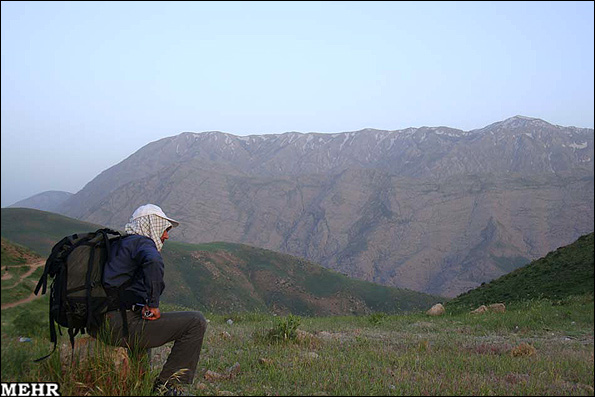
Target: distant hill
{"type": "Point", "coordinates": [47, 201]}
{"type": "Point", "coordinates": [223, 277]}
{"type": "Point", "coordinates": [564, 272]}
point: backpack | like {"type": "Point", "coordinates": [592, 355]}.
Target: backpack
{"type": "Point", "coordinates": [78, 298]}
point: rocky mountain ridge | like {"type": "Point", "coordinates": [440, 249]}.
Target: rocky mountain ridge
{"type": "Point", "coordinates": [434, 209]}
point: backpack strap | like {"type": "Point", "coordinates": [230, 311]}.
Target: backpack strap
{"type": "Point", "coordinates": [43, 281]}
{"type": "Point", "coordinates": [56, 296]}
{"type": "Point", "coordinates": [71, 334]}
{"type": "Point", "coordinates": [53, 338]}
{"type": "Point", "coordinates": [122, 306]}
{"type": "Point", "coordinates": [124, 321]}
{"type": "Point", "coordinates": [88, 285]}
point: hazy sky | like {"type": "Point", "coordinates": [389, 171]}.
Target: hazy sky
{"type": "Point", "coordinates": [85, 85]}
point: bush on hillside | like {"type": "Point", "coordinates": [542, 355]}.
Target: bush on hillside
{"type": "Point", "coordinates": [285, 329]}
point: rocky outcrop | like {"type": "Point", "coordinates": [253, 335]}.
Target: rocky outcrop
{"type": "Point", "coordinates": [494, 308]}
{"type": "Point", "coordinates": [480, 310]}
{"type": "Point", "coordinates": [436, 310]}
{"type": "Point", "coordinates": [497, 307]}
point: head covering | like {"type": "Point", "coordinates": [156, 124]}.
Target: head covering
{"type": "Point", "coordinates": [150, 221]}
{"type": "Point", "coordinates": [149, 209]}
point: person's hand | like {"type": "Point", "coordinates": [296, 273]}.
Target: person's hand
{"type": "Point", "coordinates": [151, 313]}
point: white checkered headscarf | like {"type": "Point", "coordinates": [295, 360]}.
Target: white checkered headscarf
{"type": "Point", "coordinates": [151, 226]}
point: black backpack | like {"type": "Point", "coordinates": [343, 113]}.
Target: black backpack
{"type": "Point", "coordinates": [78, 298]}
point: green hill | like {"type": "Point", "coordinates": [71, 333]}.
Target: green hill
{"type": "Point", "coordinates": [233, 277]}
{"type": "Point", "coordinates": [39, 230]}
{"type": "Point", "coordinates": [562, 273]}
{"type": "Point", "coordinates": [223, 277]}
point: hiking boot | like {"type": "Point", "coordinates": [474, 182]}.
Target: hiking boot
{"type": "Point", "coordinates": [167, 389]}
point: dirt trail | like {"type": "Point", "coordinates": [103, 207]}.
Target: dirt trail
{"type": "Point", "coordinates": [33, 266]}
{"type": "Point", "coordinates": [22, 301]}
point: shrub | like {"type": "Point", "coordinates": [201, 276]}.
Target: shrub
{"type": "Point", "coordinates": [377, 318]}
{"type": "Point", "coordinates": [285, 329]}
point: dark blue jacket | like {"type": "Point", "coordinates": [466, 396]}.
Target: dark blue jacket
{"type": "Point", "coordinates": [136, 257]}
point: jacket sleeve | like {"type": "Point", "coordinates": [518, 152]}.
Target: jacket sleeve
{"type": "Point", "coordinates": [151, 262]}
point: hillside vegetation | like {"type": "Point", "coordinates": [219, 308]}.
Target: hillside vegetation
{"type": "Point", "coordinates": [564, 272]}
{"type": "Point", "coordinates": [221, 277]}
{"type": "Point", "coordinates": [16, 254]}
{"type": "Point", "coordinates": [21, 269]}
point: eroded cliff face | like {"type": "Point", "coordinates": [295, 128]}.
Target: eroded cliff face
{"type": "Point", "coordinates": [436, 210]}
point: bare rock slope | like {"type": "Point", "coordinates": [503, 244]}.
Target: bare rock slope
{"type": "Point", "coordinates": [437, 210]}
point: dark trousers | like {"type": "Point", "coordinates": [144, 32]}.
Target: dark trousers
{"type": "Point", "coordinates": [187, 329]}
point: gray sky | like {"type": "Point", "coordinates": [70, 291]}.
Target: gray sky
{"type": "Point", "coordinates": [85, 84]}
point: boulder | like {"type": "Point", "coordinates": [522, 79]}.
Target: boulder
{"type": "Point", "coordinates": [436, 310]}
{"type": "Point", "coordinates": [481, 309]}
{"type": "Point", "coordinates": [497, 307]}
{"type": "Point", "coordinates": [494, 307]}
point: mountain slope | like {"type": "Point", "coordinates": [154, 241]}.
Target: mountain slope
{"type": "Point", "coordinates": [519, 145]}
{"type": "Point", "coordinates": [433, 209]}
{"type": "Point", "coordinates": [564, 272]}
{"type": "Point", "coordinates": [226, 277]}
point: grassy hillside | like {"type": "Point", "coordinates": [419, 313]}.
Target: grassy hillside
{"type": "Point", "coordinates": [221, 277]}
{"type": "Point", "coordinates": [535, 348]}
{"type": "Point", "coordinates": [21, 269]}
{"type": "Point", "coordinates": [565, 272]}
{"type": "Point", "coordinates": [16, 254]}
{"type": "Point", "coordinates": [226, 277]}
{"type": "Point", "coordinates": [39, 230]}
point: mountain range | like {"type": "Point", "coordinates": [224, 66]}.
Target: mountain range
{"type": "Point", "coordinates": [432, 209]}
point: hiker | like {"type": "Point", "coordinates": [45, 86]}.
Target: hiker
{"type": "Point", "coordinates": [137, 257]}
